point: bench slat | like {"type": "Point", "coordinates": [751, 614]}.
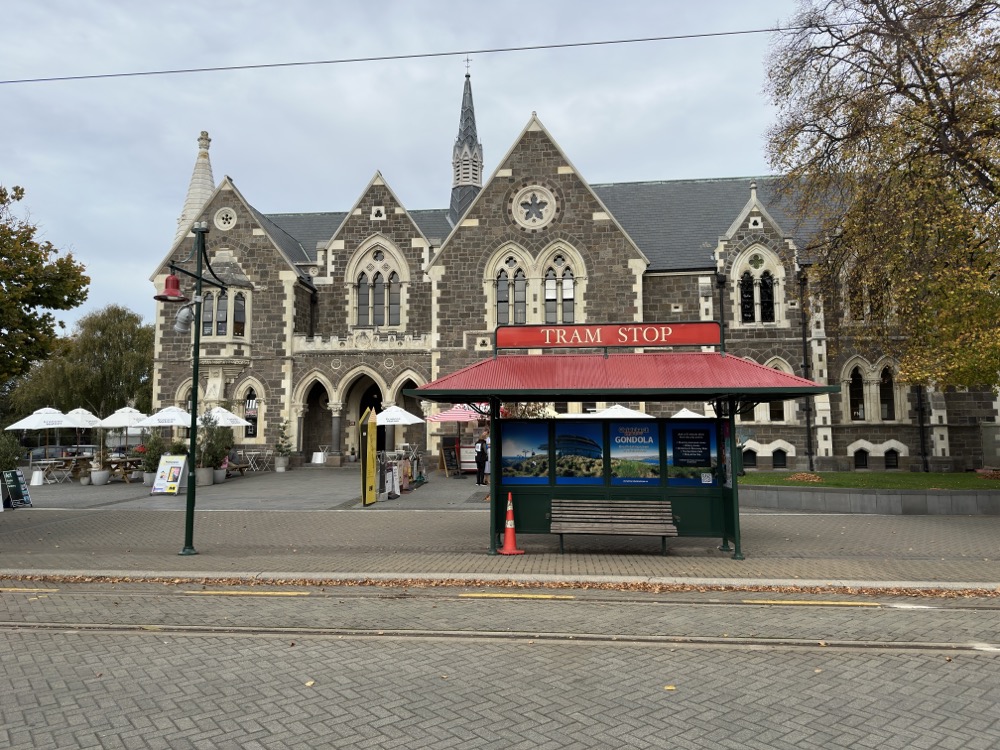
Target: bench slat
{"type": "Point", "coordinates": [615, 517]}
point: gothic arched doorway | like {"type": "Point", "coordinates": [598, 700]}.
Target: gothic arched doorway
{"type": "Point", "coordinates": [316, 427]}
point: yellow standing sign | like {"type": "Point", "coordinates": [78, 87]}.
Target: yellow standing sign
{"type": "Point", "coordinates": [369, 433]}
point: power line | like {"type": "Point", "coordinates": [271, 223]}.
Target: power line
{"type": "Point", "coordinates": [387, 58]}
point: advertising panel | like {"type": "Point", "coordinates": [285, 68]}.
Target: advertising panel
{"type": "Point", "coordinates": [635, 453]}
{"type": "Point", "coordinates": [524, 453]}
{"type": "Point", "coordinates": [171, 475]}
{"type": "Point", "coordinates": [579, 452]}
{"type": "Point", "coordinates": [691, 453]}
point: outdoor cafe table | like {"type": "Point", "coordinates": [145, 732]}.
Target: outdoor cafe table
{"type": "Point", "coordinates": [48, 467]}
{"type": "Point", "coordinates": [122, 468]}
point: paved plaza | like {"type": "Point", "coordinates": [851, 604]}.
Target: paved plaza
{"type": "Point", "coordinates": [308, 525]}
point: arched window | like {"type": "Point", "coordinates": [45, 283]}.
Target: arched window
{"type": "Point", "coordinates": [240, 315]}
{"type": "Point", "coordinates": [559, 292]}
{"type": "Point", "coordinates": [861, 459]}
{"type": "Point", "coordinates": [520, 302]}
{"type": "Point", "coordinates": [375, 275]}
{"type": "Point", "coordinates": [857, 396]}
{"type": "Point", "coordinates": [222, 314]}
{"type": "Point", "coordinates": [758, 287]}
{"type": "Point", "coordinates": [779, 459]}
{"type": "Point", "coordinates": [394, 288]}
{"type": "Point", "coordinates": [551, 297]}
{"type": "Point", "coordinates": [887, 396]}
{"type": "Point", "coordinates": [892, 459]}
{"type": "Point", "coordinates": [568, 297]}
{"type": "Point", "coordinates": [250, 413]}
{"type": "Point", "coordinates": [746, 298]}
{"type": "Point", "coordinates": [503, 299]}
{"type": "Point", "coordinates": [207, 314]}
{"type": "Point", "coordinates": [378, 300]}
{"type": "Point", "coordinates": [512, 294]}
{"type": "Point", "coordinates": [749, 459]}
{"type": "Point", "coordinates": [767, 297]}
{"type": "Point", "coordinates": [364, 300]}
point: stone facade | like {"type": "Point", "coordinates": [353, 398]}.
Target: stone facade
{"type": "Point", "coordinates": [319, 344]}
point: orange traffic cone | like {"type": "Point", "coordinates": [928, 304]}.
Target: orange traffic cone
{"type": "Point", "coordinates": [509, 540]}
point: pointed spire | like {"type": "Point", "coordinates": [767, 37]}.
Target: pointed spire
{"type": "Point", "coordinates": [201, 188]}
{"type": "Point", "coordinates": [467, 158]}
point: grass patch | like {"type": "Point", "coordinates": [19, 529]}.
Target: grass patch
{"type": "Point", "coordinates": [880, 480]}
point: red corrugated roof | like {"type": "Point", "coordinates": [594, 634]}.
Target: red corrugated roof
{"type": "Point", "coordinates": [659, 376]}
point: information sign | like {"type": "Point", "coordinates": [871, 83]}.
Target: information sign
{"type": "Point", "coordinates": [171, 475]}
{"type": "Point", "coordinates": [15, 490]}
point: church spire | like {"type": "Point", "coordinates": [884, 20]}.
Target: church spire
{"type": "Point", "coordinates": [200, 190]}
{"type": "Point", "coordinates": [466, 160]}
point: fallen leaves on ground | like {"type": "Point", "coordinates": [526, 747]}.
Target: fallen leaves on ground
{"type": "Point", "coordinates": [428, 583]}
{"type": "Point", "coordinates": [804, 476]}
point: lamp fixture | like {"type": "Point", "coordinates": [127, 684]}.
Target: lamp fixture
{"type": "Point", "coordinates": [185, 316]}
{"type": "Point", "coordinates": [171, 290]}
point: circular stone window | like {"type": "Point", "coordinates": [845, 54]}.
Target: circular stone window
{"type": "Point", "coordinates": [533, 207]}
{"type": "Point", "coordinates": [225, 219]}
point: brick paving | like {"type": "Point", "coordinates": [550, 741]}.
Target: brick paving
{"type": "Point", "coordinates": [307, 524]}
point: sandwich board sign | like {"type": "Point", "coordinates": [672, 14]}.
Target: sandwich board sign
{"type": "Point", "coordinates": [171, 475]}
{"type": "Point", "coordinates": [14, 490]}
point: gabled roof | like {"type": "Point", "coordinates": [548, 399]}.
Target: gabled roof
{"type": "Point", "coordinates": [654, 376]}
{"type": "Point", "coordinates": [677, 224]}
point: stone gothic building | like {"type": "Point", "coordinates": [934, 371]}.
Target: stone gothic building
{"type": "Point", "coordinates": [326, 314]}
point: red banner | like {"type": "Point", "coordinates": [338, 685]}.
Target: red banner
{"type": "Point", "coordinates": [705, 333]}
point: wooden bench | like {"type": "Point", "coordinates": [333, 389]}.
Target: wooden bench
{"type": "Point", "coordinates": [625, 517]}
{"type": "Point", "coordinates": [241, 468]}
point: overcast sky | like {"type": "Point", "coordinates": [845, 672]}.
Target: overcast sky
{"type": "Point", "coordinates": [106, 163]}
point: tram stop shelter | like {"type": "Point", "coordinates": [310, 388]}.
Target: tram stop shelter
{"type": "Point", "coordinates": [688, 466]}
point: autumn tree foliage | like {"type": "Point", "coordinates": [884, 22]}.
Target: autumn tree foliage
{"type": "Point", "coordinates": [888, 129]}
{"type": "Point", "coordinates": [33, 283]}
{"type": "Point", "coordinates": [105, 364]}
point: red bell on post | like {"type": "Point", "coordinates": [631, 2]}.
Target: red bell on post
{"type": "Point", "coordinates": [171, 290]}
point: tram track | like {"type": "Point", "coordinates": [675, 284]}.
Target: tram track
{"type": "Point", "coordinates": [523, 637]}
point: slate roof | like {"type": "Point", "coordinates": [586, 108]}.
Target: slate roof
{"type": "Point", "coordinates": [676, 223]}
{"type": "Point", "coordinates": [308, 229]}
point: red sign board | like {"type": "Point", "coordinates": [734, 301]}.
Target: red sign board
{"type": "Point", "coordinates": [610, 334]}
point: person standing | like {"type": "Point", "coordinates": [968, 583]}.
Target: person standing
{"type": "Point", "coordinates": [482, 455]}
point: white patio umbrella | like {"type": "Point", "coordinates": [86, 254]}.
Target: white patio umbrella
{"type": "Point", "coordinates": [169, 416]}
{"type": "Point", "coordinates": [122, 419]}
{"type": "Point", "coordinates": [396, 415]}
{"type": "Point", "coordinates": [615, 411]}
{"type": "Point", "coordinates": [688, 414]}
{"type": "Point", "coordinates": [86, 418]}
{"type": "Point", "coordinates": [45, 419]}
{"type": "Point", "coordinates": [225, 418]}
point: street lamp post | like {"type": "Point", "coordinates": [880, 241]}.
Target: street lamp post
{"type": "Point", "coordinates": [188, 314]}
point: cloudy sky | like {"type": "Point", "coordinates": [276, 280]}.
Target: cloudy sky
{"type": "Point", "coordinates": [106, 162]}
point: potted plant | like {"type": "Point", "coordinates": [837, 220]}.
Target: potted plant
{"type": "Point", "coordinates": [155, 446]}
{"type": "Point", "coordinates": [283, 448]}
{"type": "Point", "coordinates": [214, 441]}
{"type": "Point", "coordinates": [99, 475]}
